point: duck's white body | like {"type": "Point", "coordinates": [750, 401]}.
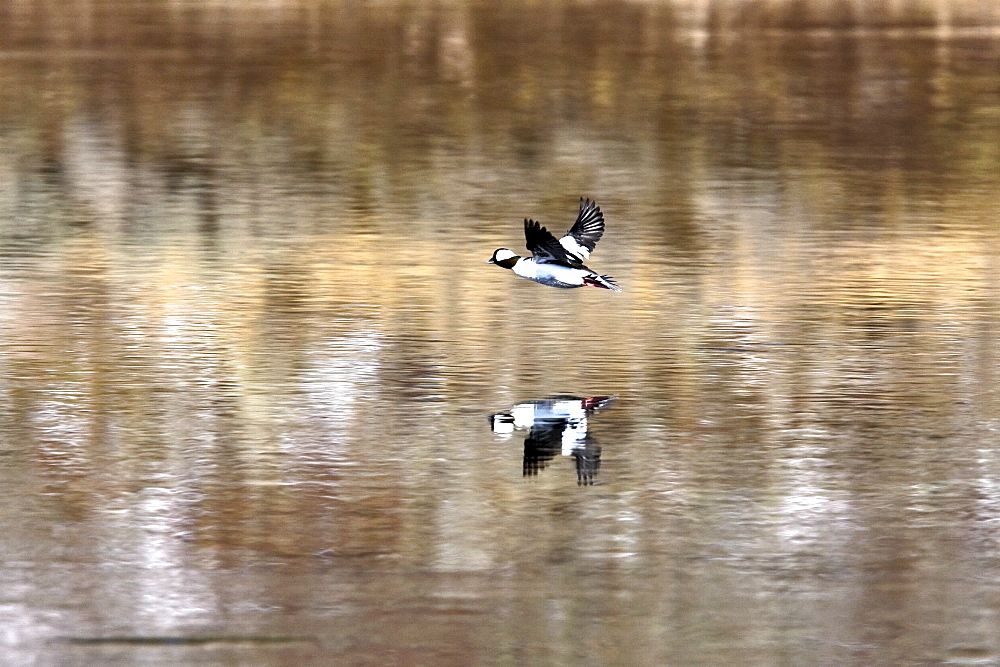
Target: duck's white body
{"type": "Point", "coordinates": [553, 275]}
{"type": "Point", "coordinates": [568, 414]}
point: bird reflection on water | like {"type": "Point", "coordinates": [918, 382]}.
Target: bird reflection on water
{"type": "Point", "coordinates": [556, 425]}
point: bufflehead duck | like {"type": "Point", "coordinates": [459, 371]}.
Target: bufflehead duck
{"type": "Point", "coordinates": [559, 263]}
{"type": "Point", "coordinates": [556, 425]}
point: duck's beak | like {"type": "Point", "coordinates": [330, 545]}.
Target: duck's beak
{"type": "Point", "coordinates": [490, 261]}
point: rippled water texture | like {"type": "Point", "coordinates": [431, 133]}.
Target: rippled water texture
{"type": "Point", "coordinates": [262, 401]}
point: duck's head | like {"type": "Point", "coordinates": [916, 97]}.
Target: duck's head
{"type": "Point", "coordinates": [504, 258]}
{"type": "Point", "coordinates": [502, 423]}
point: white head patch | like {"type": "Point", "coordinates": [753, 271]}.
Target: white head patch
{"type": "Point", "coordinates": [502, 254]}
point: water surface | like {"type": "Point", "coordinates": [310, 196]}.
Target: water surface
{"type": "Point", "coordinates": [250, 350]}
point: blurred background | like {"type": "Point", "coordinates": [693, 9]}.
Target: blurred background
{"type": "Point", "coordinates": [251, 355]}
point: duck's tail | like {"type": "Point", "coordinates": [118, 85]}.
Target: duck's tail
{"type": "Point", "coordinates": [606, 282]}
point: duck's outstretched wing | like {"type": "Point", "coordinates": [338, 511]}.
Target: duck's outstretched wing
{"type": "Point", "coordinates": [544, 247]}
{"type": "Point", "coordinates": [586, 231]}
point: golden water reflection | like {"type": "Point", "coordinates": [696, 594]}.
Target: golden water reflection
{"type": "Point", "coordinates": [250, 344]}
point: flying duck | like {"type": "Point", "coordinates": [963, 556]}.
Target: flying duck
{"type": "Point", "coordinates": [559, 263]}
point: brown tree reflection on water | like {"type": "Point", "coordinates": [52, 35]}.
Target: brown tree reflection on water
{"type": "Point", "coordinates": [248, 339]}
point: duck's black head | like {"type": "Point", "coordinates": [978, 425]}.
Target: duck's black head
{"type": "Point", "coordinates": [503, 257]}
